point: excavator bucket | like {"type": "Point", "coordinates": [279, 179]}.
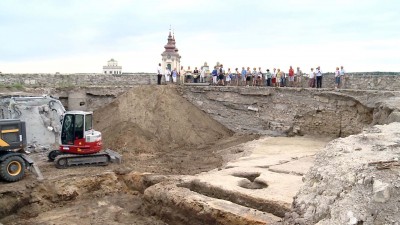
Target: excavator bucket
{"type": "Point", "coordinates": [115, 157]}
{"type": "Point", "coordinates": [33, 166]}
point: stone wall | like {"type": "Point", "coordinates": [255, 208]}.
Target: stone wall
{"type": "Point", "coordinates": [363, 81]}
{"type": "Point", "coordinates": [293, 110]}
{"type": "Point", "coordinates": [72, 80]}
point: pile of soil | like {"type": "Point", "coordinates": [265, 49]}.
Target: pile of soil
{"type": "Point", "coordinates": [157, 130]}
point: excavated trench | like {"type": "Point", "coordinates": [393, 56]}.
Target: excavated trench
{"type": "Point", "coordinates": [261, 204]}
{"type": "Point", "coordinates": [173, 138]}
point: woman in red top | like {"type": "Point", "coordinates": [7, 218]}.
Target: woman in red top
{"type": "Point", "coordinates": [291, 76]}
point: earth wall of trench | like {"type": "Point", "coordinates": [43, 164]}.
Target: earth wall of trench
{"type": "Point", "coordinates": [295, 111]}
{"type": "Point", "coordinates": [269, 111]}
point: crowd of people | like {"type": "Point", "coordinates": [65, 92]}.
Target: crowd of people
{"type": "Point", "coordinates": [248, 77]}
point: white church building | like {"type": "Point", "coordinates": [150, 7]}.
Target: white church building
{"type": "Point", "coordinates": [112, 67]}
{"type": "Point", "coordinates": [170, 56]}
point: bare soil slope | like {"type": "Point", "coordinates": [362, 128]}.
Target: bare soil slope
{"type": "Point", "coordinates": [155, 123]}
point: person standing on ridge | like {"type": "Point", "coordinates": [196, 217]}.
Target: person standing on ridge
{"type": "Point", "coordinates": [260, 77]}
{"type": "Point", "coordinates": [214, 74]}
{"type": "Point", "coordinates": [174, 75]}
{"type": "Point", "coordinates": [337, 78]}
{"type": "Point", "coordinates": [188, 75]}
{"type": "Point", "coordinates": [291, 76]}
{"type": "Point", "coordinates": [228, 77]}
{"type": "Point", "coordinates": [273, 78]}
{"type": "Point", "coordinates": [248, 76]}
{"type": "Point", "coordinates": [167, 74]}
{"type": "Point", "coordinates": [311, 76]}
{"type": "Point", "coordinates": [278, 77]}
{"type": "Point", "coordinates": [238, 76]}
{"type": "Point", "coordinates": [268, 76]}
{"type": "Point", "coordinates": [283, 79]}
{"type": "Point", "coordinates": [343, 77]}
{"type": "Point", "coordinates": [159, 74]}
{"type": "Point", "coordinates": [318, 74]}
{"type": "Point", "coordinates": [221, 75]}
{"type": "Point", "coordinates": [182, 75]}
{"type": "Point", "coordinates": [254, 77]}
{"type": "Point", "coordinates": [202, 75]}
{"type": "Point", "coordinates": [243, 76]}
{"type": "Point", "coordinates": [299, 74]}
{"type": "Point", "coordinates": [195, 75]}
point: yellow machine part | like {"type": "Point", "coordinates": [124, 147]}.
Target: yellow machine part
{"type": "Point", "coordinates": [2, 142]}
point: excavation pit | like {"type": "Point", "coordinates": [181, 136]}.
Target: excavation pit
{"type": "Point", "coordinates": [250, 182]}
{"type": "Point", "coordinates": [208, 156]}
{"type": "Point", "coordinates": [252, 185]}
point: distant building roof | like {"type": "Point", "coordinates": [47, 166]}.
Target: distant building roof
{"type": "Point", "coordinates": [170, 47]}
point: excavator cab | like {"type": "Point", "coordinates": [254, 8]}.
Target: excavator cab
{"type": "Point", "coordinates": [77, 134]}
{"type": "Point", "coordinates": [74, 127]}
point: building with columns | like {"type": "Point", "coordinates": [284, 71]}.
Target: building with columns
{"type": "Point", "coordinates": [112, 67]}
{"type": "Point", "coordinates": [170, 56]}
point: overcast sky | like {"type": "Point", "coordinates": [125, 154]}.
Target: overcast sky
{"type": "Point", "coordinates": [69, 36]}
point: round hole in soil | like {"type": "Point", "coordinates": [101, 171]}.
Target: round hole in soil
{"type": "Point", "coordinates": [252, 185]}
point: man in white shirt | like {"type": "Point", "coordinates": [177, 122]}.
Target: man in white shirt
{"type": "Point", "coordinates": [167, 74]}
{"type": "Point", "coordinates": [159, 74]}
{"type": "Point", "coordinates": [182, 75]}
{"type": "Point", "coordinates": [202, 75]}
{"type": "Point", "coordinates": [318, 74]}
{"type": "Point", "coordinates": [273, 78]}
{"type": "Point", "coordinates": [343, 77]}
{"type": "Point", "coordinates": [299, 74]}
{"type": "Point", "coordinates": [311, 82]}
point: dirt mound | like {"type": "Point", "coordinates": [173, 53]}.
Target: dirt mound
{"type": "Point", "coordinates": [148, 122]}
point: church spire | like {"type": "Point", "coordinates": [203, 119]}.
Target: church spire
{"type": "Point", "coordinates": [170, 46]}
{"type": "Point", "coordinates": [170, 57]}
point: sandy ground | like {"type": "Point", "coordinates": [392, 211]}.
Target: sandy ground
{"type": "Point", "coordinates": [53, 201]}
{"type": "Point", "coordinates": [159, 132]}
{"type": "Point", "coordinates": [156, 131]}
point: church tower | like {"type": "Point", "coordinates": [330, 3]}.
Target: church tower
{"type": "Point", "coordinates": [170, 56]}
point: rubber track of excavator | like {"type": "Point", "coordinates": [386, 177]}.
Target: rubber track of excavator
{"type": "Point", "coordinates": [67, 160]}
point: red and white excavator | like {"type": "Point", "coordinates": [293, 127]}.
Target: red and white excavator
{"type": "Point", "coordinates": [43, 121]}
{"type": "Point", "coordinates": [80, 143]}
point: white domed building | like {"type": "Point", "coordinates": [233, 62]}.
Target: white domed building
{"type": "Point", "coordinates": [112, 67]}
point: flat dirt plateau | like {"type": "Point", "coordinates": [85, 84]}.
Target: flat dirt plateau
{"type": "Point", "coordinates": [160, 136]}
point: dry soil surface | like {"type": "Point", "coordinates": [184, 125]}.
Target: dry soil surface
{"type": "Point", "coordinates": [155, 129]}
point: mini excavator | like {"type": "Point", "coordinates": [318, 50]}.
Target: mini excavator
{"type": "Point", "coordinates": [80, 143]}
{"type": "Point", "coordinates": [33, 118]}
